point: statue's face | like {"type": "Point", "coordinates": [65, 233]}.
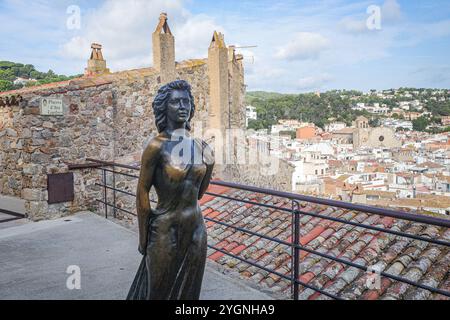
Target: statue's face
{"type": "Point", "coordinates": [179, 106]}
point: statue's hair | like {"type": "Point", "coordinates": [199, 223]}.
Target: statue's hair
{"type": "Point", "coordinates": [159, 104]}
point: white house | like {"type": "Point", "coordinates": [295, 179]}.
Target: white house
{"type": "Point", "coordinates": [335, 126]}
{"type": "Point", "coordinates": [23, 81]}
{"type": "Point", "coordinates": [250, 113]}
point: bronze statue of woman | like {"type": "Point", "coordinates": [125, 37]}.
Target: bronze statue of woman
{"type": "Point", "coordinates": [172, 237]}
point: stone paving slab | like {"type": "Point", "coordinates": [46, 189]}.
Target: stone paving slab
{"type": "Point", "coordinates": [8, 221]}
{"type": "Point", "coordinates": [13, 204]}
{"type": "Point", "coordinates": [34, 258]}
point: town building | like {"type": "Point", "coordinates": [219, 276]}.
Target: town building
{"type": "Point", "coordinates": [250, 114]}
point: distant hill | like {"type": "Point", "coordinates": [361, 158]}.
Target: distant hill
{"type": "Point", "coordinates": [336, 105]}
{"type": "Point", "coordinates": [264, 95]}
{"type": "Point", "coordinates": [17, 75]}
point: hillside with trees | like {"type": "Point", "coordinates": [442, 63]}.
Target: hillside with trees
{"type": "Point", "coordinates": [11, 71]}
{"type": "Point", "coordinates": [336, 105]}
{"type": "Point", "coordinates": [307, 107]}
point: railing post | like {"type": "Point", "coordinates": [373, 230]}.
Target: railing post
{"type": "Point", "coordinates": [114, 190]}
{"type": "Point", "coordinates": [295, 264]}
{"type": "Point", "coordinates": [104, 193]}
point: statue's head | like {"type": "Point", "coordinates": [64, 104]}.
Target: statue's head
{"type": "Point", "coordinates": [173, 102]}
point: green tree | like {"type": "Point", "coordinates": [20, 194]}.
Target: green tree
{"type": "Point", "coordinates": [420, 124]}
{"type": "Point", "coordinates": [10, 71]}
{"type": "Point", "coordinates": [374, 122]}
{"type": "Point", "coordinates": [5, 85]}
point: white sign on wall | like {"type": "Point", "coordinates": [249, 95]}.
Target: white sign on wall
{"type": "Point", "coordinates": [51, 107]}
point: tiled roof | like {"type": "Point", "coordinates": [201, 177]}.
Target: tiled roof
{"type": "Point", "coordinates": [443, 178]}
{"type": "Point", "coordinates": [344, 131]}
{"type": "Point", "coordinates": [412, 259]}
{"type": "Point", "coordinates": [383, 194]}
{"type": "Point", "coordinates": [335, 163]}
{"type": "Point", "coordinates": [419, 201]}
{"type": "Point", "coordinates": [429, 164]}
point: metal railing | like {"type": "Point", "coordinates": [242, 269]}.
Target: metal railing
{"type": "Point", "coordinates": [295, 211]}
{"type": "Point", "coordinates": [14, 215]}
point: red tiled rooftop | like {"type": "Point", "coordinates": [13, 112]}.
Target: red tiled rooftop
{"type": "Point", "coordinates": [412, 259]}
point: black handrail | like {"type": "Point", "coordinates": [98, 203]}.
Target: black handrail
{"type": "Point", "coordinates": [340, 204]}
{"type": "Point", "coordinates": [331, 203]}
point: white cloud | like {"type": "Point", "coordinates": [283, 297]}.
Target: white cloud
{"type": "Point", "coordinates": [305, 45]}
{"type": "Point", "coordinates": [125, 28]}
{"type": "Point", "coordinates": [193, 36]}
{"type": "Point", "coordinates": [437, 29]}
{"type": "Point", "coordinates": [353, 25]}
{"type": "Point", "coordinates": [391, 11]}
{"type": "Point", "coordinates": [314, 82]}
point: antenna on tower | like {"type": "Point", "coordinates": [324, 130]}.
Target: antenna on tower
{"type": "Point", "coordinates": [245, 47]}
{"type": "Point", "coordinates": [252, 58]}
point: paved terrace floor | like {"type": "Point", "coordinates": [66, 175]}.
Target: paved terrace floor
{"type": "Point", "coordinates": [34, 258]}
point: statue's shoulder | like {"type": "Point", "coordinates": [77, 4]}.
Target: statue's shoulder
{"type": "Point", "coordinates": [153, 147]}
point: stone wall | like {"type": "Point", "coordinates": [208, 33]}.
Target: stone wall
{"type": "Point", "coordinates": [250, 166]}
{"type": "Point", "coordinates": [253, 175]}
{"type": "Point", "coordinates": [36, 145]}
{"type": "Point", "coordinates": [10, 152]}
{"type": "Point", "coordinates": [105, 118]}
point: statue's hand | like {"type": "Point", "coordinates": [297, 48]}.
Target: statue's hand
{"type": "Point", "coordinates": [208, 154]}
{"type": "Point", "coordinates": [141, 249]}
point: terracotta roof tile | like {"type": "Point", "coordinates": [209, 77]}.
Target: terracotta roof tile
{"type": "Point", "coordinates": [405, 257]}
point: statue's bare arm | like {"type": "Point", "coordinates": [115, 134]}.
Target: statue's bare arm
{"type": "Point", "coordinates": [208, 158]}
{"type": "Point", "coordinates": [149, 161]}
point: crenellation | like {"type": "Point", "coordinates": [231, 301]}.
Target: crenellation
{"type": "Point", "coordinates": [164, 50]}
{"type": "Point", "coordinates": [218, 82]}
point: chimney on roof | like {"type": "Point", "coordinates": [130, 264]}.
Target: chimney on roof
{"type": "Point", "coordinates": [164, 50]}
{"type": "Point", "coordinates": [96, 63]}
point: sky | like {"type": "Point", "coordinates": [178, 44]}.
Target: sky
{"type": "Point", "coordinates": [295, 45]}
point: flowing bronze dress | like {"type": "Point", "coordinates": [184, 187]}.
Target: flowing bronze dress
{"type": "Point", "coordinates": [173, 265]}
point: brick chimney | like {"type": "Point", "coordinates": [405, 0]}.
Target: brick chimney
{"type": "Point", "coordinates": [96, 63]}
{"type": "Point", "coordinates": [164, 50]}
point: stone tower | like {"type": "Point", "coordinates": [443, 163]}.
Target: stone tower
{"type": "Point", "coordinates": [96, 63]}
{"type": "Point", "coordinates": [218, 82]}
{"type": "Point", "coordinates": [362, 122]}
{"type": "Point", "coordinates": [361, 133]}
{"type": "Point", "coordinates": [237, 89]}
{"type": "Point", "coordinates": [164, 50]}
